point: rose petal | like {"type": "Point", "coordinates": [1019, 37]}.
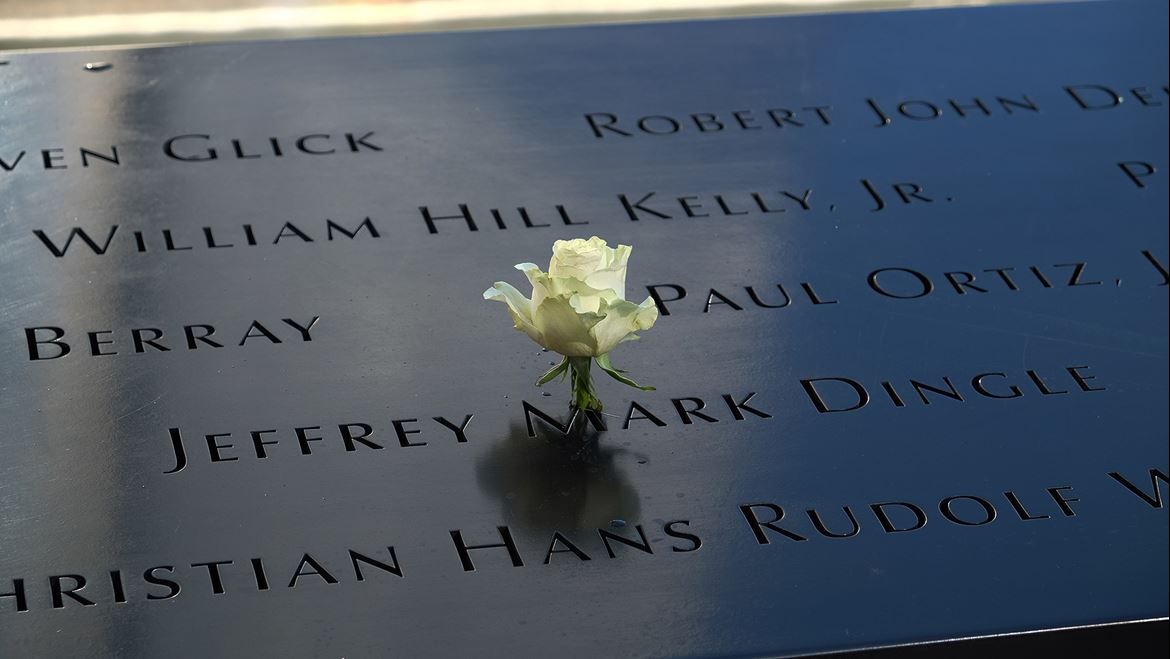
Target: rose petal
{"type": "Point", "coordinates": [565, 330]}
{"type": "Point", "coordinates": [621, 320]}
{"type": "Point", "coordinates": [519, 307]}
{"type": "Point", "coordinates": [578, 258]}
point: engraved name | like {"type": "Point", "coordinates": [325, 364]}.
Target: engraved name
{"type": "Point", "coordinates": [760, 522]}
{"type": "Point", "coordinates": [195, 148]}
{"type": "Point", "coordinates": [49, 342]}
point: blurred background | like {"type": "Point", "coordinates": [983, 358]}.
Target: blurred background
{"type": "Point", "coordinates": [26, 24]}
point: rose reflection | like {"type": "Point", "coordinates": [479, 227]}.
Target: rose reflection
{"type": "Point", "coordinates": [558, 482]}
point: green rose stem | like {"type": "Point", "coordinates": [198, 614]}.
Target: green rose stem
{"type": "Point", "coordinates": [583, 397]}
{"type": "Point", "coordinates": [578, 368]}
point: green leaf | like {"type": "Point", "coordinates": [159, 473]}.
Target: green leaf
{"type": "Point", "coordinates": [606, 365]}
{"type": "Point", "coordinates": [559, 369]}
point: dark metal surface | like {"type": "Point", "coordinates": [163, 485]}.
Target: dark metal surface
{"type": "Point", "coordinates": [497, 120]}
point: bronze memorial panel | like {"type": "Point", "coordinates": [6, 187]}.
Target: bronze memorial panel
{"type": "Point", "coordinates": [910, 358]}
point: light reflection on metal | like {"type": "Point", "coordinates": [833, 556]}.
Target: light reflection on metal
{"type": "Point", "coordinates": [36, 22]}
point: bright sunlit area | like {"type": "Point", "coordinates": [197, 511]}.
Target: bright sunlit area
{"type": "Point", "coordinates": [64, 23]}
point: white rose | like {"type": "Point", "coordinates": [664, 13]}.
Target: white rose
{"type": "Point", "coordinates": [578, 308]}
